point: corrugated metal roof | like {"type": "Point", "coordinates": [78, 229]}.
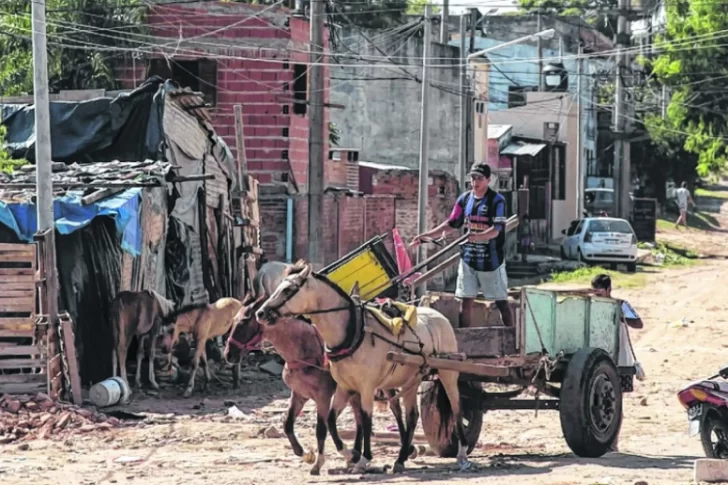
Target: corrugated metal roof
{"type": "Point", "coordinates": [382, 166]}
{"type": "Point", "coordinates": [521, 149]}
{"type": "Point", "coordinates": [497, 131]}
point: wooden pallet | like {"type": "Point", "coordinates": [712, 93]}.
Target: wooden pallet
{"type": "Point", "coordinates": [22, 363]}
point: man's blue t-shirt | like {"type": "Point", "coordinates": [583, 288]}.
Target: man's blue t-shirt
{"type": "Point", "coordinates": [480, 215]}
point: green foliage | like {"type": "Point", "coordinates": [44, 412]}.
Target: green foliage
{"type": "Point", "coordinates": [77, 32]}
{"type": "Point", "coordinates": [7, 164]}
{"type": "Point", "coordinates": [590, 10]}
{"type": "Point", "coordinates": [417, 7]}
{"type": "Point", "coordinates": [583, 276]}
{"type": "Point", "coordinates": [374, 14]}
{"type": "Point", "coordinates": [672, 255]}
{"type": "Point", "coordinates": [693, 63]}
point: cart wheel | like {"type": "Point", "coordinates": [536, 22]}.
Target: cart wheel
{"type": "Point", "coordinates": [590, 404]}
{"type": "Point", "coordinates": [472, 417]}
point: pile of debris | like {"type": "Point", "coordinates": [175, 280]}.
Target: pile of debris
{"type": "Point", "coordinates": [24, 418]}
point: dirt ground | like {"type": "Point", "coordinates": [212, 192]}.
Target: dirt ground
{"type": "Point", "coordinates": [192, 441]}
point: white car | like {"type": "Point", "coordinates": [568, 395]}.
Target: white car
{"type": "Point", "coordinates": [595, 240]}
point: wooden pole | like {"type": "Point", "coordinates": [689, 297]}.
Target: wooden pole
{"type": "Point", "coordinates": [240, 148]}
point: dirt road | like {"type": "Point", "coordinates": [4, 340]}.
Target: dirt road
{"type": "Point", "coordinates": [685, 337]}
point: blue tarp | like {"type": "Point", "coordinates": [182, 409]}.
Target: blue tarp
{"type": "Point", "coordinates": [71, 216]}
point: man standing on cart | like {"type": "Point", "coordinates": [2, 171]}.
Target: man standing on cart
{"type": "Point", "coordinates": [482, 267]}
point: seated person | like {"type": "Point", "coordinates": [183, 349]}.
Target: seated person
{"type": "Point", "coordinates": [602, 284]}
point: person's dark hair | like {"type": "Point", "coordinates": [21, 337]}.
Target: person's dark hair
{"type": "Point", "coordinates": [601, 282]}
{"type": "Point", "coordinates": [481, 169]}
{"type": "Point", "coordinates": [684, 185]}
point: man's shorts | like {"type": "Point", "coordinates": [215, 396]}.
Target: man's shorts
{"type": "Point", "coordinates": [493, 284]}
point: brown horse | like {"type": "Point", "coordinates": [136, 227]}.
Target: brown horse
{"type": "Point", "coordinates": [204, 321]}
{"type": "Point", "coordinates": [137, 314]}
{"type": "Point", "coordinates": [358, 352]}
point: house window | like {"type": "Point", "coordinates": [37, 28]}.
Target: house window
{"type": "Point", "coordinates": [284, 154]}
{"type": "Point", "coordinates": [285, 132]}
{"type": "Point", "coordinates": [199, 75]}
{"type": "Point", "coordinates": [285, 109]}
{"type": "Point", "coordinates": [517, 95]}
{"type": "Point", "coordinates": [300, 89]}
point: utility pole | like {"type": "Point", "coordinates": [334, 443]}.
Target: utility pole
{"type": "Point", "coordinates": [424, 139]}
{"type": "Point", "coordinates": [664, 101]}
{"type": "Point", "coordinates": [445, 20]}
{"type": "Point", "coordinates": [464, 102]}
{"type": "Point", "coordinates": [316, 135]}
{"type": "Point", "coordinates": [621, 143]}
{"type": "Point", "coordinates": [44, 180]}
{"type": "Point", "coordinates": [579, 137]}
{"type": "Point", "coordinates": [470, 110]}
{"type": "Point", "coordinates": [539, 47]}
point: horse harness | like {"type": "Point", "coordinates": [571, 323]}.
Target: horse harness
{"type": "Point", "coordinates": [355, 328]}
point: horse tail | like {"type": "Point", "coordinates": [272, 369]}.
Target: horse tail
{"type": "Point", "coordinates": [442, 403]}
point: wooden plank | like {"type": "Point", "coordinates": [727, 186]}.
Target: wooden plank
{"type": "Point", "coordinates": [17, 274]}
{"type": "Point", "coordinates": [16, 323]}
{"type": "Point", "coordinates": [19, 349]}
{"type": "Point", "coordinates": [23, 284]}
{"type": "Point", "coordinates": [19, 248]}
{"type": "Point", "coordinates": [22, 333]}
{"type": "Point", "coordinates": [99, 195]}
{"type": "Point", "coordinates": [16, 304]}
{"type": "Point", "coordinates": [23, 378]}
{"type": "Point", "coordinates": [70, 350]}
{"type": "Point", "coordinates": [447, 364]}
{"type": "Point", "coordinates": [23, 388]}
{"type": "Point", "coordinates": [488, 341]}
{"type": "Point", "coordinates": [21, 363]}
{"type": "Point", "coordinates": [18, 293]}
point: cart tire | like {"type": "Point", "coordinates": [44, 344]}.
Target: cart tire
{"type": "Point", "coordinates": [472, 417]}
{"type": "Point", "coordinates": [590, 404]}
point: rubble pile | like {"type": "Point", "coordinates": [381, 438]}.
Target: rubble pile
{"type": "Point", "coordinates": [25, 417]}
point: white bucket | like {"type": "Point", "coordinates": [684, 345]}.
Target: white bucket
{"type": "Point", "coordinates": [109, 392]}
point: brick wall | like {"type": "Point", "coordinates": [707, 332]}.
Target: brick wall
{"type": "Point", "coordinates": [256, 64]}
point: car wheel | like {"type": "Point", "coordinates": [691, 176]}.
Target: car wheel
{"type": "Point", "coordinates": [563, 253]}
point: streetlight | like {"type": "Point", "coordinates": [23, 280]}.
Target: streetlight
{"type": "Point", "coordinates": [544, 34]}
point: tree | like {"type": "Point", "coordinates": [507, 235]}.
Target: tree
{"type": "Point", "coordinates": [7, 164]}
{"type": "Point", "coordinates": [593, 11]}
{"type": "Point", "coordinates": [693, 63]}
{"type": "Point", "coordinates": [78, 32]}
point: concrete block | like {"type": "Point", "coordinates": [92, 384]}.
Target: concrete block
{"type": "Point", "coordinates": [711, 470]}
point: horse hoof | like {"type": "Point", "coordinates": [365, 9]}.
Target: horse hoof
{"type": "Point", "coordinates": [315, 471]}
{"type": "Point", "coordinates": [361, 466]}
{"type": "Point", "coordinates": [465, 465]}
{"type": "Point", "coordinates": [187, 393]}
{"type": "Point", "coordinates": [309, 458]}
{"type": "Point", "coordinates": [348, 455]}
{"type": "Point", "coordinates": [413, 453]}
{"type": "Point", "coordinates": [398, 468]}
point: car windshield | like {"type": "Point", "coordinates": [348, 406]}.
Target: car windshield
{"type": "Point", "coordinates": [610, 226]}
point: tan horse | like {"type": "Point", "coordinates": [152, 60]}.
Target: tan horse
{"type": "Point", "coordinates": [306, 373]}
{"type": "Point", "coordinates": [357, 348]}
{"type": "Point", "coordinates": [204, 321]}
{"type": "Point", "coordinates": [137, 314]}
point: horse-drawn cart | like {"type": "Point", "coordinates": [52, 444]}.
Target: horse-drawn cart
{"type": "Point", "coordinates": [563, 350]}
{"type": "Point", "coordinates": [563, 347]}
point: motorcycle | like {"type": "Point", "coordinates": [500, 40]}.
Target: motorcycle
{"type": "Point", "coordinates": [706, 402]}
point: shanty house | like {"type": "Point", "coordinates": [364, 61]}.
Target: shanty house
{"type": "Point", "coordinates": [142, 200]}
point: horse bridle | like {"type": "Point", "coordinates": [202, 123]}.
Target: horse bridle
{"type": "Point", "coordinates": [294, 289]}
{"type": "Point", "coordinates": [254, 342]}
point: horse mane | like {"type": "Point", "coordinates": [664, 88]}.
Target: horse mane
{"type": "Point", "coordinates": [174, 315]}
{"type": "Point", "coordinates": [298, 267]}
{"type": "Point", "coordinates": [166, 305]}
